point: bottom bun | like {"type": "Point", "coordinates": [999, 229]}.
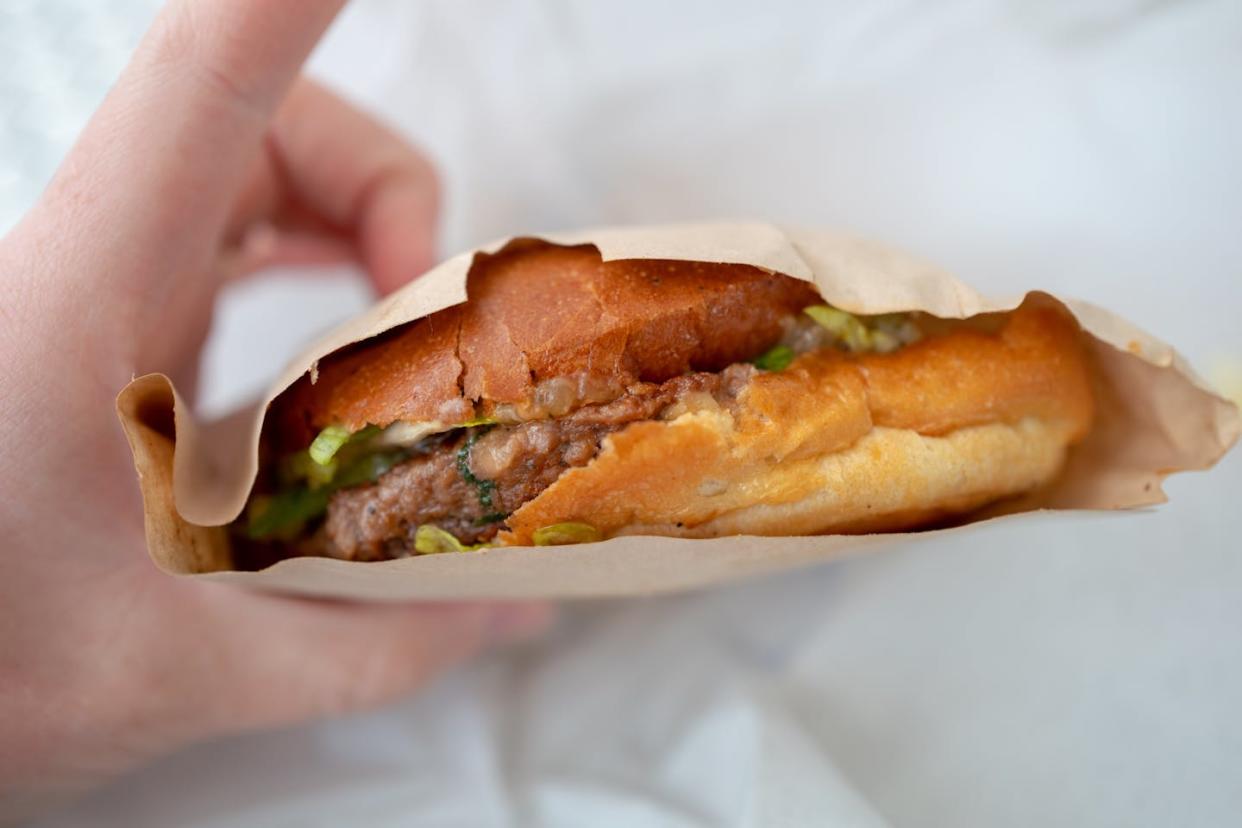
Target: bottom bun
{"type": "Point", "coordinates": [892, 479]}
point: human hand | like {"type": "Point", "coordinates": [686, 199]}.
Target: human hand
{"type": "Point", "coordinates": [208, 159]}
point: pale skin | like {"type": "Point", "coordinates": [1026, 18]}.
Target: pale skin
{"type": "Point", "coordinates": [210, 158]}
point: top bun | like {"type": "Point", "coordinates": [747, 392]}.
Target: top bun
{"type": "Point", "coordinates": [547, 328]}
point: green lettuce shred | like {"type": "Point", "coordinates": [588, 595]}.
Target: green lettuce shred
{"type": "Point", "coordinates": [883, 341]}
{"type": "Point", "coordinates": [776, 358]}
{"type": "Point", "coordinates": [559, 534]}
{"type": "Point", "coordinates": [335, 437]}
{"type": "Point", "coordinates": [846, 327]}
{"type": "Point", "coordinates": [881, 333]}
{"type": "Point", "coordinates": [367, 468]}
{"type": "Point", "coordinates": [300, 466]}
{"type": "Point", "coordinates": [430, 539]}
{"type": "Point", "coordinates": [284, 514]}
{"type": "Point", "coordinates": [328, 442]}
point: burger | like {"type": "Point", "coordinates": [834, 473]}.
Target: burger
{"type": "Point", "coordinates": [572, 399]}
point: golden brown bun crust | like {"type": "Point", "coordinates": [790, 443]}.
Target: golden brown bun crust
{"type": "Point", "coordinates": [536, 312]}
{"type": "Point", "coordinates": [837, 443]}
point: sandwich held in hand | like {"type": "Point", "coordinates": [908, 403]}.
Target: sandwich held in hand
{"type": "Point", "coordinates": [572, 399]}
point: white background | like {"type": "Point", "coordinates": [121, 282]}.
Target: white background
{"type": "Point", "coordinates": [1072, 670]}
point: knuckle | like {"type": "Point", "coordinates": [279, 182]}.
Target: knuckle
{"type": "Point", "coordinates": [208, 56]}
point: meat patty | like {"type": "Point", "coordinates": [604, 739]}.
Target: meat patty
{"type": "Point", "coordinates": [468, 485]}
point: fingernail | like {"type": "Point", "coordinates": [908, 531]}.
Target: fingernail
{"type": "Point", "coordinates": [511, 623]}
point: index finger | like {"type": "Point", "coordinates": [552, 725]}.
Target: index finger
{"type": "Point", "coordinates": [172, 141]}
{"type": "Point", "coordinates": [353, 173]}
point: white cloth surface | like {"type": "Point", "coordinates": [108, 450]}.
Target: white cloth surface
{"type": "Point", "coordinates": [1051, 670]}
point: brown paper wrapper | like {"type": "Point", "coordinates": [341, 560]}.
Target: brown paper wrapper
{"type": "Point", "coordinates": [1155, 417]}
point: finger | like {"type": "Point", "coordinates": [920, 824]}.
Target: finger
{"type": "Point", "coordinates": [359, 176]}
{"type": "Point", "coordinates": [397, 233]}
{"type": "Point", "coordinates": [265, 245]}
{"type": "Point", "coordinates": [292, 659]}
{"type": "Point", "coordinates": [171, 144]}
{"type": "Point", "coordinates": [260, 198]}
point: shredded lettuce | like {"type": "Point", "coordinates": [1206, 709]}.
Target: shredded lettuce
{"type": "Point", "coordinates": [328, 442]}
{"type": "Point", "coordinates": [776, 358]}
{"type": "Point", "coordinates": [882, 333]}
{"type": "Point", "coordinates": [335, 437]}
{"type": "Point", "coordinates": [284, 514]}
{"type": "Point", "coordinates": [846, 327]}
{"type": "Point", "coordinates": [884, 342]}
{"type": "Point", "coordinates": [430, 539]}
{"type": "Point", "coordinates": [892, 330]}
{"type": "Point", "coordinates": [559, 534]}
{"type": "Point", "coordinates": [367, 468]}
{"type": "Point", "coordinates": [299, 466]}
